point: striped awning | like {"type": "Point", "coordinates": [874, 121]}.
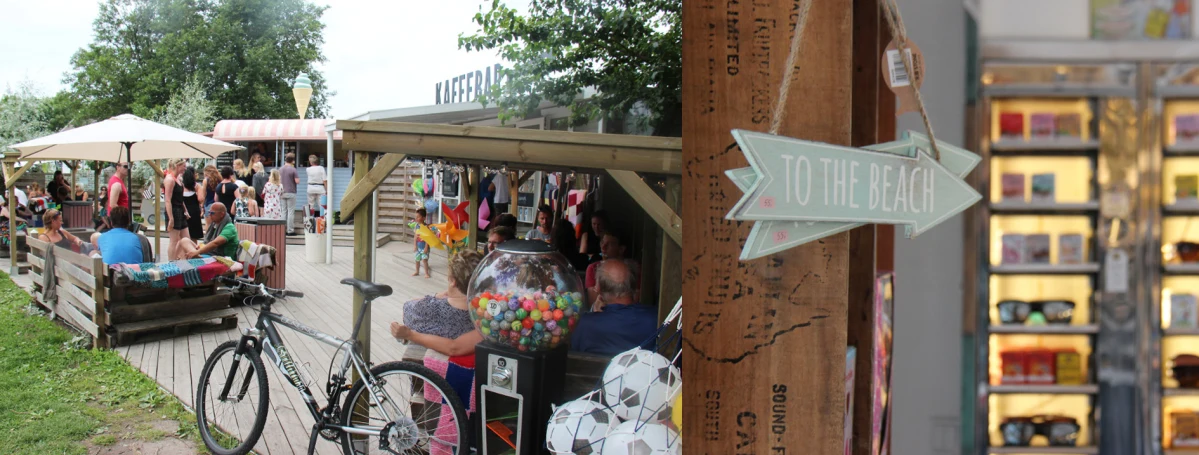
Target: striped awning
{"type": "Point", "coordinates": [273, 130]}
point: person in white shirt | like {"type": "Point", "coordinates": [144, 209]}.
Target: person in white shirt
{"type": "Point", "coordinates": [316, 180]}
{"type": "Point", "coordinates": [21, 197]}
{"type": "Point", "coordinates": [503, 193]}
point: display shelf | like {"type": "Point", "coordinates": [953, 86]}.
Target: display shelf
{"type": "Point", "coordinates": [1011, 145]}
{"type": "Point", "coordinates": [1182, 269]}
{"type": "Point", "coordinates": [1051, 208]}
{"type": "Point", "coordinates": [1176, 392]}
{"type": "Point", "coordinates": [1181, 209]}
{"type": "Point", "coordinates": [1044, 450]}
{"type": "Point", "coordinates": [1183, 148]}
{"type": "Point", "coordinates": [1045, 269]}
{"type": "Point", "coordinates": [1187, 451]}
{"type": "Point", "coordinates": [1047, 329]}
{"type": "Point", "coordinates": [1180, 331]}
{"type": "Point", "coordinates": [1067, 90]}
{"type": "Point", "coordinates": [1049, 389]}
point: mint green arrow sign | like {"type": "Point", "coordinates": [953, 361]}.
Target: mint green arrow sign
{"type": "Point", "coordinates": [850, 186]}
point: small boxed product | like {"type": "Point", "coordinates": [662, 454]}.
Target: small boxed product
{"type": "Point", "coordinates": [1070, 249]}
{"type": "Point", "coordinates": [1013, 187]}
{"type": "Point", "coordinates": [1184, 429]}
{"type": "Point", "coordinates": [1184, 311]}
{"type": "Point", "coordinates": [1036, 248]}
{"type": "Point", "coordinates": [1043, 187]}
{"type": "Point", "coordinates": [1040, 366]}
{"type": "Point", "coordinates": [1013, 367]}
{"type": "Point", "coordinates": [1041, 125]}
{"type": "Point", "coordinates": [1186, 188]}
{"type": "Point", "coordinates": [1069, 126]}
{"type": "Point", "coordinates": [1011, 125]}
{"type": "Point", "coordinates": [1186, 127]}
{"type": "Point", "coordinates": [1069, 367]}
{"type": "Point", "coordinates": [1013, 249]}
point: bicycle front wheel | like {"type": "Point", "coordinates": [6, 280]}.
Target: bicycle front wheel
{"type": "Point", "coordinates": [415, 412]}
{"type": "Point", "coordinates": [232, 393]}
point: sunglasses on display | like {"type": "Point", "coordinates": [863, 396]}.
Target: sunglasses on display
{"type": "Point", "coordinates": [1060, 431]}
{"type": "Point", "coordinates": [1186, 371]}
{"type": "Point", "coordinates": [1187, 251]}
{"type": "Point", "coordinates": [1018, 311]}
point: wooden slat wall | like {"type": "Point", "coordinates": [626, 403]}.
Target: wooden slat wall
{"type": "Point", "coordinates": [398, 203]}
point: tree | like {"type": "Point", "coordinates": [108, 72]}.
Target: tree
{"type": "Point", "coordinates": [242, 53]}
{"type": "Point", "coordinates": [630, 52]}
{"type": "Point", "coordinates": [189, 110]}
{"type": "Point", "coordinates": [22, 116]}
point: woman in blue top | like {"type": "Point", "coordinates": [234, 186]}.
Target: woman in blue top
{"type": "Point", "coordinates": [119, 245]}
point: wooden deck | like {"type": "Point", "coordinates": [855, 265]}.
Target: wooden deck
{"type": "Point", "coordinates": [176, 363]}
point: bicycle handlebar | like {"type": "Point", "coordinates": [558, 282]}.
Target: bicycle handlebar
{"type": "Point", "coordinates": [262, 288]}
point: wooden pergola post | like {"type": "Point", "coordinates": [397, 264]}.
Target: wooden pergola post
{"type": "Point", "coordinates": [765, 339]}
{"type": "Point", "coordinates": [473, 179]}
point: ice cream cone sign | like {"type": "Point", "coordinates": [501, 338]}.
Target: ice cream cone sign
{"type": "Point", "coordinates": [302, 90]}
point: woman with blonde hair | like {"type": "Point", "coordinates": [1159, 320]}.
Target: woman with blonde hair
{"type": "Point", "coordinates": [54, 233]}
{"type": "Point", "coordinates": [272, 196]}
{"type": "Point", "coordinates": [259, 179]}
{"type": "Point", "coordinates": [172, 185]}
{"type": "Point", "coordinates": [242, 172]}
{"type": "Point", "coordinates": [246, 206]}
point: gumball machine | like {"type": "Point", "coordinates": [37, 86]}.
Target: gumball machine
{"type": "Point", "coordinates": [525, 299]}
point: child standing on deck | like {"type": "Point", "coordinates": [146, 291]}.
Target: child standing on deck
{"type": "Point", "coordinates": [420, 247]}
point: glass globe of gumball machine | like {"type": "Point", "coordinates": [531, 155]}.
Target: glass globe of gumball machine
{"type": "Point", "coordinates": [525, 299]}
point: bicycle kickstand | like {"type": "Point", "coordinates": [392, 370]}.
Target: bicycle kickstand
{"type": "Point", "coordinates": [316, 430]}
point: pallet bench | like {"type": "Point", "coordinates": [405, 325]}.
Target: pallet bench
{"type": "Point", "coordinates": [88, 299]}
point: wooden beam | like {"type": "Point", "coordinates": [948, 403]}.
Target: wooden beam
{"type": "Point", "coordinates": [512, 134]}
{"type": "Point", "coordinates": [770, 331]}
{"type": "Point", "coordinates": [157, 169]}
{"type": "Point", "coordinates": [11, 178]}
{"type": "Point", "coordinates": [653, 205]}
{"type": "Point", "coordinates": [159, 175]}
{"type": "Point", "coordinates": [519, 153]}
{"type": "Point", "coordinates": [361, 189]}
{"type": "Point", "coordinates": [14, 268]}
{"type": "Point", "coordinates": [514, 191]}
{"type": "Point", "coordinates": [474, 176]}
{"type": "Point", "coordinates": [364, 217]}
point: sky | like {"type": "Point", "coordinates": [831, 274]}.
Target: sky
{"type": "Point", "coordinates": [380, 54]}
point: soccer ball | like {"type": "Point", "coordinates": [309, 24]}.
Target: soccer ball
{"type": "Point", "coordinates": [642, 438]}
{"type": "Point", "coordinates": [579, 427]}
{"type": "Point", "coordinates": [640, 385]}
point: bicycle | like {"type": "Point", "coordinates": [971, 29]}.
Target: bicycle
{"type": "Point", "coordinates": [370, 410]}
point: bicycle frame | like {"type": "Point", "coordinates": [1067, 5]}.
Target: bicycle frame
{"type": "Point", "coordinates": [265, 339]}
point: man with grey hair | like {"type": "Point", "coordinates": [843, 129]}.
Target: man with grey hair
{"type": "Point", "coordinates": [617, 322]}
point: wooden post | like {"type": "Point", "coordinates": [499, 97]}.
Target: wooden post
{"type": "Point", "coordinates": [514, 190]}
{"type": "Point", "coordinates": [74, 178]}
{"type": "Point", "coordinates": [473, 177]}
{"type": "Point", "coordinates": [96, 189]}
{"type": "Point", "coordinates": [100, 312]}
{"type": "Point", "coordinates": [14, 269]}
{"type": "Point", "coordinates": [873, 122]}
{"type": "Point", "coordinates": [764, 339]}
{"type": "Point", "coordinates": [364, 218]}
{"type": "Point", "coordinates": [671, 282]}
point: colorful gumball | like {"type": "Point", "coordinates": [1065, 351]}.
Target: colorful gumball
{"type": "Point", "coordinates": [509, 316]}
{"type": "Point", "coordinates": [551, 288]}
{"type": "Point", "coordinates": [529, 305]}
{"type": "Point", "coordinates": [521, 314]}
{"type": "Point", "coordinates": [551, 325]}
{"type": "Point", "coordinates": [538, 326]}
{"type": "Point", "coordinates": [513, 304]}
{"type": "Point", "coordinates": [535, 315]}
{"type": "Point", "coordinates": [556, 331]}
{"type": "Point", "coordinates": [527, 323]}
{"type": "Point", "coordinates": [515, 325]}
{"type": "Point", "coordinates": [547, 316]}
{"type": "Point", "coordinates": [558, 315]}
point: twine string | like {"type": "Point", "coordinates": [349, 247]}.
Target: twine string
{"type": "Point", "coordinates": [780, 102]}
{"type": "Point", "coordinates": [895, 22]}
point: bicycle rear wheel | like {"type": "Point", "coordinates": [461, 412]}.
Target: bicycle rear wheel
{"type": "Point", "coordinates": [419, 423]}
{"type": "Point", "coordinates": [244, 407]}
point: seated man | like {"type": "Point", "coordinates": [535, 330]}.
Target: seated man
{"type": "Point", "coordinates": [618, 323]}
{"type": "Point", "coordinates": [611, 247]}
{"type": "Point", "coordinates": [497, 235]}
{"type": "Point", "coordinates": [220, 238]}
{"type": "Point", "coordinates": [119, 245]}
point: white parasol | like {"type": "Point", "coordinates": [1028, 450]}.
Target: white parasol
{"type": "Point", "coordinates": [126, 138]}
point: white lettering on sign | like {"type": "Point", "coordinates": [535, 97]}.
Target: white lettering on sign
{"type": "Point", "coordinates": [891, 189]}
{"type": "Point", "coordinates": [804, 166]}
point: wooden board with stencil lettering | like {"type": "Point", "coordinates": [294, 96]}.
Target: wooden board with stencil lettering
{"type": "Point", "coordinates": [765, 339]}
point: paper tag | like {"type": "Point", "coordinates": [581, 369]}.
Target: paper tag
{"type": "Point", "coordinates": [1115, 268]}
{"type": "Point", "coordinates": [897, 76]}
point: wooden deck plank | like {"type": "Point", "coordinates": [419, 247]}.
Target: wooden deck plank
{"type": "Point", "coordinates": [176, 363]}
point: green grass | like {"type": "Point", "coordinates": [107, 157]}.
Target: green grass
{"type": "Point", "coordinates": [56, 394]}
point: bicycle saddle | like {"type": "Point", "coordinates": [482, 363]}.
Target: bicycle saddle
{"type": "Point", "coordinates": [369, 290]}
